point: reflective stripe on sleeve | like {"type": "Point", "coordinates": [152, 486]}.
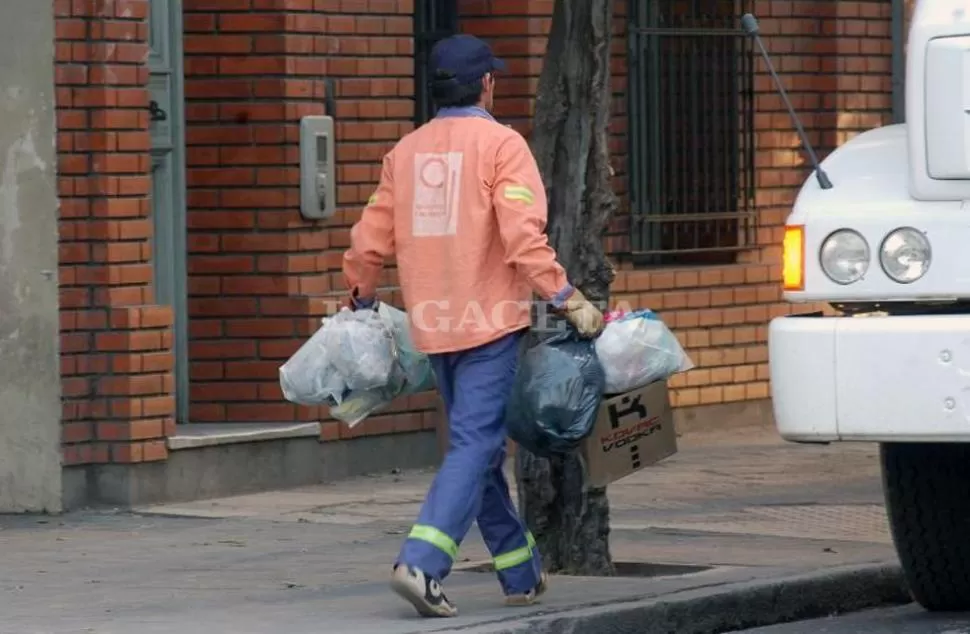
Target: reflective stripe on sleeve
{"type": "Point", "coordinates": [519, 193]}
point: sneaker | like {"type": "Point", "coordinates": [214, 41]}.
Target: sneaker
{"type": "Point", "coordinates": [421, 591]}
{"type": "Point", "coordinates": [532, 596]}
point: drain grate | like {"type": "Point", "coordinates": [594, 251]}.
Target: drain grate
{"type": "Point", "coordinates": [653, 569]}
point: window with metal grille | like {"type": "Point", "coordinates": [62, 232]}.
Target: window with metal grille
{"type": "Point", "coordinates": [691, 119]}
{"type": "Point", "coordinates": [433, 20]}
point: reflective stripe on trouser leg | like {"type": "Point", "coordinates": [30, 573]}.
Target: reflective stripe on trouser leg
{"type": "Point", "coordinates": [515, 557]}
{"type": "Point", "coordinates": [519, 570]}
{"type": "Point", "coordinates": [479, 382]}
{"type": "Point", "coordinates": [436, 538]}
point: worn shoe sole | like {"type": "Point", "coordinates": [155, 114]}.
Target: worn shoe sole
{"type": "Point", "coordinates": [411, 592]}
{"type": "Point", "coordinates": [523, 600]}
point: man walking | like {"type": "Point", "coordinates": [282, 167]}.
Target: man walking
{"type": "Point", "coordinates": [462, 205]}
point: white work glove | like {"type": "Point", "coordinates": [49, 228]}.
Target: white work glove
{"type": "Point", "coordinates": [586, 318]}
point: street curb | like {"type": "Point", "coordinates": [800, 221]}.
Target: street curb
{"type": "Point", "coordinates": [725, 608]}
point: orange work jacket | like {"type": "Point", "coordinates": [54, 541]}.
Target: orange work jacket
{"type": "Point", "coordinates": [461, 204]}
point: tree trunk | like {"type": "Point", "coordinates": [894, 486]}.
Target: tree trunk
{"type": "Point", "coordinates": [570, 143]}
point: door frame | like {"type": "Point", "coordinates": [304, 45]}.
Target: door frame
{"type": "Point", "coordinates": [171, 266]}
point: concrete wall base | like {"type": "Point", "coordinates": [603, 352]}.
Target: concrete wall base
{"type": "Point", "coordinates": [687, 420]}
{"type": "Point", "coordinates": [248, 467]}
{"type": "Point", "coordinates": [724, 417]}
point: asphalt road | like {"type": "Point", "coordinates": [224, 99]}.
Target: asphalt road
{"type": "Point", "coordinates": [908, 619]}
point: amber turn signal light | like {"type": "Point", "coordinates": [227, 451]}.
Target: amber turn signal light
{"type": "Point", "coordinates": [793, 258]}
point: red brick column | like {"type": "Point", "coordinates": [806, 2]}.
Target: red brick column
{"type": "Point", "coordinates": [115, 343]}
{"type": "Point", "coordinates": [259, 272]}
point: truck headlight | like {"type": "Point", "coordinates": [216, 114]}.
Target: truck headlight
{"type": "Point", "coordinates": [844, 256]}
{"type": "Point", "coordinates": [905, 255]}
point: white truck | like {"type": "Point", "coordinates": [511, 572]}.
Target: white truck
{"type": "Point", "coordinates": [888, 247]}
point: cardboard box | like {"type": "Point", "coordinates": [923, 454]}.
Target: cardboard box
{"type": "Point", "coordinates": [633, 430]}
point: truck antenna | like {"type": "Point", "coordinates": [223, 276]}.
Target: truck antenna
{"type": "Point", "coordinates": [749, 24]}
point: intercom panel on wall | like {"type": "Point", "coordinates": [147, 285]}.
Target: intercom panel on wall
{"type": "Point", "coordinates": [318, 186]}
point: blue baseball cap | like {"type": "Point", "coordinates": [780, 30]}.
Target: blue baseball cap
{"type": "Point", "coordinates": [468, 57]}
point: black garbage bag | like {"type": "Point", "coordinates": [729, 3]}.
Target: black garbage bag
{"type": "Point", "coordinates": [558, 388]}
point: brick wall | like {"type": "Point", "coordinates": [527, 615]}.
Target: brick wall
{"type": "Point", "coordinates": [835, 61]}
{"type": "Point", "coordinates": [517, 32]}
{"type": "Point", "coordinates": [115, 343]}
{"type": "Point", "coordinates": [258, 272]}
{"type": "Point", "coordinates": [720, 313]}
{"type": "Point", "coordinates": [864, 67]}
{"type": "Point", "coordinates": [256, 267]}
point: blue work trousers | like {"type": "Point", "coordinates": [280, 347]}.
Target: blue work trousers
{"type": "Point", "coordinates": [471, 485]}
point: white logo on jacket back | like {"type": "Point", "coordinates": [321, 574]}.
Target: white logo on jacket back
{"type": "Point", "coordinates": [437, 191]}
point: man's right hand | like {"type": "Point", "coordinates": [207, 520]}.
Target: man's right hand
{"type": "Point", "coordinates": [356, 302]}
{"type": "Point", "coordinates": [586, 318]}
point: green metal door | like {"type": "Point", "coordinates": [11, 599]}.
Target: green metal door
{"type": "Point", "coordinates": [168, 179]}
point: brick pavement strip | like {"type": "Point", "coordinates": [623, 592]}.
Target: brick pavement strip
{"type": "Point", "coordinates": [768, 531]}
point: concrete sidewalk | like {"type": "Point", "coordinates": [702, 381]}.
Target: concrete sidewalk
{"type": "Point", "coordinates": [731, 513]}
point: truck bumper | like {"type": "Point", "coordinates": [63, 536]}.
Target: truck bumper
{"type": "Point", "coordinates": [882, 379]}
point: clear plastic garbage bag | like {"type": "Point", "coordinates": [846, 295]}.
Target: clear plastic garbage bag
{"type": "Point", "coordinates": [357, 363]}
{"type": "Point", "coordinates": [308, 378]}
{"type": "Point", "coordinates": [556, 396]}
{"type": "Point", "coordinates": [350, 351]}
{"type": "Point", "coordinates": [637, 350]}
{"type": "Point", "coordinates": [416, 366]}
{"type": "Point", "coordinates": [412, 373]}
{"type": "Point", "coordinates": [361, 348]}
